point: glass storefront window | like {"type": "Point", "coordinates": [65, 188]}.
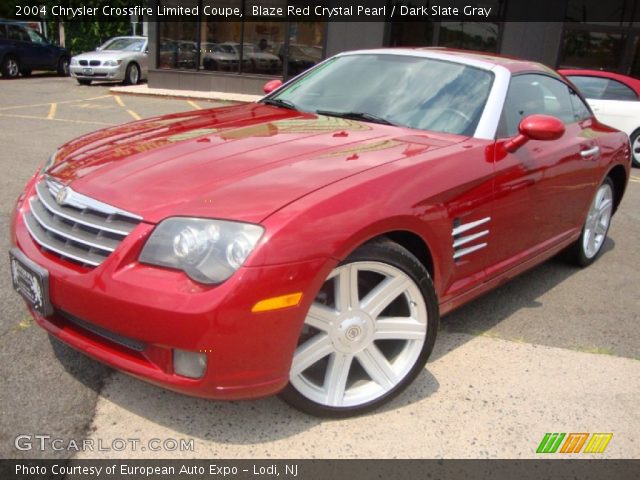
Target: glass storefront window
{"type": "Point", "coordinates": [481, 36]}
{"type": "Point", "coordinates": [610, 12]}
{"type": "Point", "coordinates": [177, 43]}
{"type": "Point", "coordinates": [263, 42]}
{"type": "Point", "coordinates": [589, 49]}
{"type": "Point", "coordinates": [217, 39]}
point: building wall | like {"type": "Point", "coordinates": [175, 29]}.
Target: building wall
{"type": "Point", "coordinates": [342, 36]}
{"type": "Point", "coordinates": [539, 41]}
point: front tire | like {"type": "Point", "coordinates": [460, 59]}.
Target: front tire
{"type": "Point", "coordinates": [63, 67]}
{"type": "Point", "coordinates": [596, 226]}
{"type": "Point", "coordinates": [635, 148]}
{"type": "Point", "coordinates": [132, 74]}
{"type": "Point", "coordinates": [367, 335]}
{"type": "Point", "coordinates": [10, 67]}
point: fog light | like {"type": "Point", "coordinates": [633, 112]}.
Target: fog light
{"type": "Point", "coordinates": [189, 364]}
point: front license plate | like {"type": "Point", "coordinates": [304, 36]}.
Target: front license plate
{"type": "Point", "coordinates": [31, 281]}
{"type": "Point", "coordinates": [87, 71]}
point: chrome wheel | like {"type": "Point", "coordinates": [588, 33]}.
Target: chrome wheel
{"type": "Point", "coordinates": [598, 220]}
{"type": "Point", "coordinates": [362, 335]}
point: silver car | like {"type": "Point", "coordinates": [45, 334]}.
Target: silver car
{"type": "Point", "coordinates": [122, 59]}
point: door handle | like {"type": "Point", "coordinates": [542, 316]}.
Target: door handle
{"type": "Point", "coordinates": [590, 152]}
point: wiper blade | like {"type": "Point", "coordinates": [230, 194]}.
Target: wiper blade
{"type": "Point", "coordinates": [280, 103]}
{"type": "Point", "coordinates": [369, 117]}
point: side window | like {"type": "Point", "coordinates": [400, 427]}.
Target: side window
{"type": "Point", "coordinates": [580, 110]}
{"type": "Point", "coordinates": [3, 31]}
{"type": "Point", "coordinates": [618, 91]}
{"type": "Point", "coordinates": [17, 33]}
{"type": "Point", "coordinates": [590, 87]}
{"type": "Point", "coordinates": [603, 88]}
{"type": "Point", "coordinates": [530, 94]}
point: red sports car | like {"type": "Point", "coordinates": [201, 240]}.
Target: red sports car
{"type": "Point", "coordinates": [307, 244]}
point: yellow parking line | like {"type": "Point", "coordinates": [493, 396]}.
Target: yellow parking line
{"type": "Point", "coordinates": [16, 107]}
{"type": "Point", "coordinates": [194, 105]}
{"type": "Point", "coordinates": [52, 111]}
{"type": "Point", "coordinates": [119, 100]}
{"type": "Point", "coordinates": [33, 117]}
{"type": "Point", "coordinates": [134, 114]}
{"type": "Point", "coordinates": [635, 178]}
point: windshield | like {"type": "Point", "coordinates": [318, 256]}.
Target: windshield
{"type": "Point", "coordinates": [126, 44]}
{"type": "Point", "coordinates": [416, 92]}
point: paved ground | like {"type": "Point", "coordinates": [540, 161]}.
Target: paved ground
{"type": "Point", "coordinates": [556, 350]}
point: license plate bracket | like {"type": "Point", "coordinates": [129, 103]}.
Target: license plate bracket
{"type": "Point", "coordinates": [87, 71]}
{"type": "Point", "coordinates": [31, 281]}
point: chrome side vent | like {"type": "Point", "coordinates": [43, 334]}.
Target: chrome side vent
{"type": "Point", "coordinates": [473, 240]}
{"type": "Point", "coordinates": [74, 226]}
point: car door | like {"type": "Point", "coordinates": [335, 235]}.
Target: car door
{"type": "Point", "coordinates": [542, 188]}
{"type": "Point", "coordinates": [43, 54]}
{"type": "Point", "coordinates": [20, 44]}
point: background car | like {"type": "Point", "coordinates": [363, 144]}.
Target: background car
{"type": "Point", "coordinates": [118, 59]}
{"type": "Point", "coordinates": [23, 50]}
{"type": "Point", "coordinates": [254, 59]}
{"type": "Point", "coordinates": [307, 244]}
{"type": "Point", "coordinates": [615, 100]}
{"type": "Point", "coordinates": [217, 57]}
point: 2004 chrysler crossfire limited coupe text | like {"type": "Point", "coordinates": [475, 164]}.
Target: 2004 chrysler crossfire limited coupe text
{"type": "Point", "coordinates": [308, 243]}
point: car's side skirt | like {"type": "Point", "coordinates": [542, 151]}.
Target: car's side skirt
{"type": "Point", "coordinates": [555, 246]}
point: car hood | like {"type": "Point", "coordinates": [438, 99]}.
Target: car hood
{"type": "Point", "coordinates": [105, 55]}
{"type": "Point", "coordinates": [240, 162]}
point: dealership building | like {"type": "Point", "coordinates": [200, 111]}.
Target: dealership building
{"type": "Point", "coordinates": [209, 53]}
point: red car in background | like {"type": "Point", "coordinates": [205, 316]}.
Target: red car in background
{"type": "Point", "coordinates": [307, 244]}
{"type": "Point", "coordinates": [615, 99]}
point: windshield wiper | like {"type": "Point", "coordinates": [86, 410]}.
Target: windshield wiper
{"type": "Point", "coordinates": [280, 103]}
{"type": "Point", "coordinates": [369, 117]}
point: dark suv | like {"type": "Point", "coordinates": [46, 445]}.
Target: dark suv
{"type": "Point", "coordinates": [22, 49]}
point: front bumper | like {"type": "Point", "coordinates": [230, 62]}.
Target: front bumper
{"type": "Point", "coordinates": [132, 316]}
{"type": "Point", "coordinates": [98, 73]}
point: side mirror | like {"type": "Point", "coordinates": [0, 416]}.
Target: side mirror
{"type": "Point", "coordinates": [271, 86]}
{"type": "Point", "coordinates": [536, 127]}
{"type": "Point", "coordinates": [98, 49]}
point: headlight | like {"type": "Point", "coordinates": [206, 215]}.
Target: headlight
{"type": "Point", "coordinates": [49, 163]}
{"type": "Point", "coordinates": [209, 251]}
{"type": "Point", "coordinates": [74, 61]}
{"type": "Point", "coordinates": [112, 63]}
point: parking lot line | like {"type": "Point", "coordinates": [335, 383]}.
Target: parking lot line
{"type": "Point", "coordinates": [119, 100]}
{"type": "Point", "coordinates": [17, 107]}
{"type": "Point", "coordinates": [194, 105]}
{"type": "Point", "coordinates": [52, 111]}
{"type": "Point", "coordinates": [134, 114]}
{"type": "Point", "coordinates": [33, 117]}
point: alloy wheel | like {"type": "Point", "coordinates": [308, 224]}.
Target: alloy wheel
{"type": "Point", "coordinates": [363, 334]}
{"type": "Point", "coordinates": [598, 220]}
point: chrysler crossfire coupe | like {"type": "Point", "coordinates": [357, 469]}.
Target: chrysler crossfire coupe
{"type": "Point", "coordinates": [307, 244]}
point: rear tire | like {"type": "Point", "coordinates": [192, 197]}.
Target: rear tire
{"type": "Point", "coordinates": [367, 335]}
{"type": "Point", "coordinates": [635, 148]}
{"type": "Point", "coordinates": [596, 226]}
{"type": "Point", "coordinates": [10, 67]}
{"type": "Point", "coordinates": [83, 82]}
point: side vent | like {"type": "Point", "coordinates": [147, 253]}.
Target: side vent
{"type": "Point", "coordinates": [468, 237]}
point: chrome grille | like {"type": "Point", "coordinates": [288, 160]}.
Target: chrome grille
{"type": "Point", "coordinates": [74, 226]}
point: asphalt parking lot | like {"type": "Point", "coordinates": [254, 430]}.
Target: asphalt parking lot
{"type": "Point", "coordinates": [556, 350]}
